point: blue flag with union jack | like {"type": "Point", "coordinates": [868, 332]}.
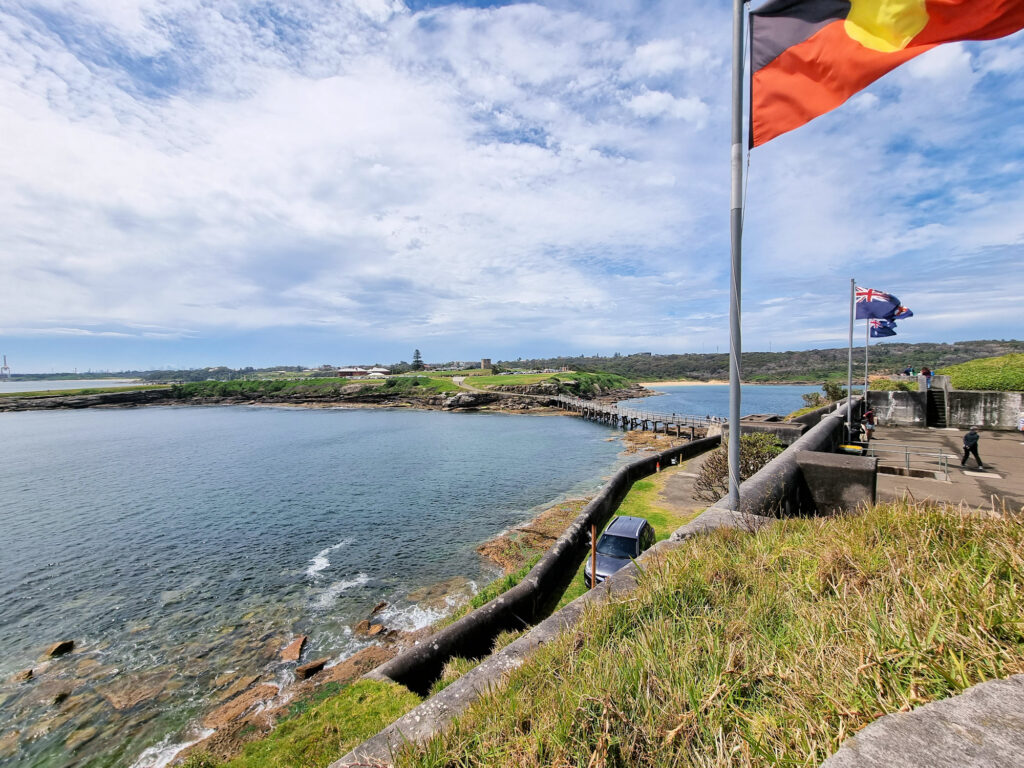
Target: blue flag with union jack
{"type": "Point", "coordinates": [902, 313]}
{"type": "Point", "coordinates": [872, 303]}
{"type": "Point", "coordinates": [881, 328]}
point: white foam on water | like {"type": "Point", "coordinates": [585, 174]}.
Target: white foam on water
{"type": "Point", "coordinates": [322, 561]}
{"type": "Point", "coordinates": [326, 598]}
{"type": "Point", "coordinates": [162, 753]}
{"type": "Point", "coordinates": [412, 617]}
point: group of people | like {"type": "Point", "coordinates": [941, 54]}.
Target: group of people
{"type": "Point", "coordinates": [926, 372]}
{"type": "Point", "coordinates": [970, 439]}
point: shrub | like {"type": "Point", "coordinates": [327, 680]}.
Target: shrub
{"type": "Point", "coordinates": [891, 385]}
{"type": "Point", "coordinates": [756, 450]}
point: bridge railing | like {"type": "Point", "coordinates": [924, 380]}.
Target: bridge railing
{"type": "Point", "coordinates": [639, 414]}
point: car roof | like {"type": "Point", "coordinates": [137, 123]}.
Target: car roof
{"type": "Point", "coordinates": [626, 526]}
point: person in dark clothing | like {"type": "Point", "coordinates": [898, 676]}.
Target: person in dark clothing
{"type": "Point", "coordinates": [869, 425]}
{"type": "Point", "coordinates": [971, 446]}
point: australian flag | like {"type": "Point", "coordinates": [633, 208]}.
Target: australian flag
{"type": "Point", "coordinates": [882, 328]}
{"type": "Point", "coordinates": [872, 303]}
{"type": "Point", "coordinates": [902, 313]}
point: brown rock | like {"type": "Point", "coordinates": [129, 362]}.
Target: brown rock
{"type": "Point", "coordinates": [23, 676]}
{"type": "Point", "coordinates": [363, 627]}
{"type": "Point", "coordinates": [376, 629]}
{"type": "Point", "coordinates": [240, 684]}
{"type": "Point", "coordinates": [357, 664]}
{"type": "Point", "coordinates": [240, 705]}
{"type": "Point", "coordinates": [80, 737]}
{"type": "Point", "coordinates": [126, 692]}
{"type": "Point", "coordinates": [308, 670]}
{"type": "Point", "coordinates": [61, 696]}
{"type": "Point", "coordinates": [59, 649]}
{"type": "Point", "coordinates": [379, 607]}
{"type": "Point", "coordinates": [293, 650]}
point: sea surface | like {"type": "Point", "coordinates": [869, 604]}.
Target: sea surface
{"type": "Point", "coordinates": [46, 385]}
{"type": "Point", "coordinates": [713, 399]}
{"type": "Point", "coordinates": [180, 548]}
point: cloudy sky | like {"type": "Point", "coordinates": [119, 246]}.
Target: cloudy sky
{"type": "Point", "coordinates": [190, 183]}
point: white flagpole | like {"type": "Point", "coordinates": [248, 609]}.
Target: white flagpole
{"type": "Point", "coordinates": [736, 238]}
{"type": "Point", "coordinates": [867, 343]}
{"type": "Point", "coordinates": [849, 369]}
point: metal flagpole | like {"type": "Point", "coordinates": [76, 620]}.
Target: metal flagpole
{"type": "Point", "coordinates": [867, 343]}
{"type": "Point", "coordinates": [849, 370]}
{"type": "Point", "coordinates": [736, 236]}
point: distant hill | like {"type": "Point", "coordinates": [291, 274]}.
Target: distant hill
{"type": "Point", "coordinates": [813, 365]}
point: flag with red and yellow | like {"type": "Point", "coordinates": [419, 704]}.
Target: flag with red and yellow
{"type": "Point", "coordinates": [809, 56]}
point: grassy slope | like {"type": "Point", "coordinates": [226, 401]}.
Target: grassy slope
{"type": "Point", "coordinates": [1005, 373]}
{"type": "Point", "coordinates": [749, 650]}
{"type": "Point", "coordinates": [318, 731]}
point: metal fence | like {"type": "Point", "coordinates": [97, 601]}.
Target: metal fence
{"type": "Point", "coordinates": [910, 457]}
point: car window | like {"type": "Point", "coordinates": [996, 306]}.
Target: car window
{"type": "Point", "coordinates": [616, 546]}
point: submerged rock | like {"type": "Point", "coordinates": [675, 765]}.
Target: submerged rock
{"type": "Point", "coordinates": [239, 706]}
{"type": "Point", "coordinates": [126, 692]}
{"type": "Point", "coordinates": [80, 737]}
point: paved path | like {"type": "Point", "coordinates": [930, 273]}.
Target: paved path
{"type": "Point", "coordinates": [1002, 480]}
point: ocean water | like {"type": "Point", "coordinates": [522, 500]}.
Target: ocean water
{"type": "Point", "coordinates": [713, 399]}
{"type": "Point", "coordinates": [180, 547]}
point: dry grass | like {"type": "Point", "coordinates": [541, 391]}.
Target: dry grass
{"type": "Point", "coordinates": [767, 649]}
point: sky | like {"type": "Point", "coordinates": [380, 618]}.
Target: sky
{"type": "Point", "coordinates": [185, 184]}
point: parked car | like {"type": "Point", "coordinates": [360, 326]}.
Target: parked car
{"type": "Point", "coordinates": [623, 540]}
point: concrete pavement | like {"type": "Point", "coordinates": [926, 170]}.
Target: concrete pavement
{"type": "Point", "coordinates": [1002, 480]}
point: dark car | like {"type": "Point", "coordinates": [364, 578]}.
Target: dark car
{"type": "Point", "coordinates": [621, 542]}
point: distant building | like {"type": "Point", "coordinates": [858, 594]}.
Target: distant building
{"type": "Point", "coordinates": [485, 363]}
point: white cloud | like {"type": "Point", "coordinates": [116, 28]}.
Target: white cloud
{"type": "Point", "coordinates": [661, 104]}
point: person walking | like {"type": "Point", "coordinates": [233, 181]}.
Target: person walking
{"type": "Point", "coordinates": [927, 373]}
{"type": "Point", "coordinates": [869, 425]}
{"type": "Point", "coordinates": [971, 446]}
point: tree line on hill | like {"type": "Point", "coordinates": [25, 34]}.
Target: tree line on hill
{"type": "Point", "coordinates": [811, 365]}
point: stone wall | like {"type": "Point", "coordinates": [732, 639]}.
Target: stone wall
{"type": "Point", "coordinates": [533, 598]}
{"type": "Point", "coordinates": [991, 410]}
{"type": "Point", "coordinates": [900, 409]}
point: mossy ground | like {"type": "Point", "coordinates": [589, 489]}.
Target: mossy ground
{"type": "Point", "coordinates": [766, 649]}
{"type": "Point", "coordinates": [1004, 373]}
{"type": "Point", "coordinates": [318, 731]}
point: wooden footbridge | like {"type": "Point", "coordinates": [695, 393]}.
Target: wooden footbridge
{"type": "Point", "coordinates": [635, 418]}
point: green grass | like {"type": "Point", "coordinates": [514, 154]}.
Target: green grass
{"type": "Point", "coordinates": [491, 591]}
{"type": "Point", "coordinates": [892, 385]}
{"type": "Point", "coordinates": [78, 392]}
{"type": "Point", "coordinates": [520, 380]}
{"type": "Point", "coordinates": [316, 732]}
{"type": "Point", "coordinates": [767, 649]}
{"type": "Point", "coordinates": [1005, 374]}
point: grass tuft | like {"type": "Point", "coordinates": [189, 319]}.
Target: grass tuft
{"type": "Point", "coordinates": [766, 649]}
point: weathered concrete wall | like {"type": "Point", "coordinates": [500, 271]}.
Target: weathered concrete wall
{"type": "Point", "coordinates": [991, 410]}
{"type": "Point", "coordinates": [530, 600]}
{"type": "Point", "coordinates": [838, 483]}
{"type": "Point", "coordinates": [811, 418]}
{"type": "Point", "coordinates": [779, 488]}
{"type": "Point", "coordinates": [785, 432]}
{"type": "Point", "coordinates": [900, 409]}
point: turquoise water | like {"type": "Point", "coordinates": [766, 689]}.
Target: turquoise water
{"type": "Point", "coordinates": [181, 547]}
{"type": "Point", "coordinates": [713, 399]}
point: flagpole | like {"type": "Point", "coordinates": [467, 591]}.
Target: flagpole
{"type": "Point", "coordinates": [867, 343]}
{"type": "Point", "coordinates": [736, 238]}
{"type": "Point", "coordinates": [849, 369]}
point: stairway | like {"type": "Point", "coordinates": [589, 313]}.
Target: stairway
{"type": "Point", "coordinates": [935, 415]}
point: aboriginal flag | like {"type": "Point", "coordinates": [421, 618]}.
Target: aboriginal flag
{"type": "Point", "coordinates": [809, 56]}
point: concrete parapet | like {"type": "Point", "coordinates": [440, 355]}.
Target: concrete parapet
{"type": "Point", "coordinates": [904, 409]}
{"type": "Point", "coordinates": [983, 726]}
{"type": "Point", "coordinates": [838, 483]}
{"type": "Point", "coordinates": [524, 604]}
{"type": "Point", "coordinates": [785, 432]}
{"type": "Point", "coordinates": [964, 408]}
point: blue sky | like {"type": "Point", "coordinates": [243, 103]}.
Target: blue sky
{"type": "Point", "coordinates": [257, 183]}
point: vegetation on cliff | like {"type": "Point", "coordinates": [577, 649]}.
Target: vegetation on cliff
{"type": "Point", "coordinates": [805, 365]}
{"type": "Point", "coordinates": [312, 388]}
{"type": "Point", "coordinates": [763, 650]}
{"type": "Point", "coordinates": [1005, 373]}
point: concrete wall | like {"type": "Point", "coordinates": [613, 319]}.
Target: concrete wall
{"type": "Point", "coordinates": [838, 483]}
{"type": "Point", "coordinates": [811, 418]}
{"type": "Point", "coordinates": [533, 598]}
{"type": "Point", "coordinates": [991, 410]}
{"type": "Point", "coordinates": [900, 409]}
{"type": "Point", "coordinates": [964, 408]}
{"type": "Point", "coordinates": [779, 489]}
{"type": "Point", "coordinates": [785, 432]}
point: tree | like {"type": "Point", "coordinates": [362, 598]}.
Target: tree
{"type": "Point", "coordinates": [417, 360]}
{"type": "Point", "coordinates": [756, 450]}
